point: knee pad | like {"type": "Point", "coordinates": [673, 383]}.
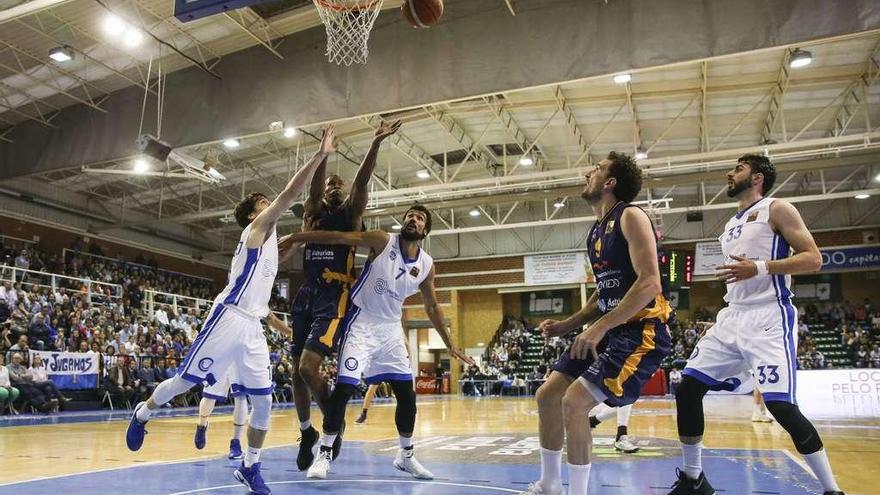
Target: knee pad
{"type": "Point", "coordinates": [804, 435]}
{"type": "Point", "coordinates": [260, 416]}
{"type": "Point", "coordinates": [335, 413]}
{"type": "Point", "coordinates": [405, 414]}
{"type": "Point", "coordinates": [689, 404]}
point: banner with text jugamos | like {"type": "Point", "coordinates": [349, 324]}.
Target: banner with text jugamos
{"type": "Point", "coordinates": [70, 370]}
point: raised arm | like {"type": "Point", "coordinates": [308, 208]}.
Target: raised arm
{"type": "Point", "coordinates": [316, 190]}
{"type": "Point", "coordinates": [358, 194]}
{"type": "Point", "coordinates": [373, 239]}
{"type": "Point", "coordinates": [266, 220]}
{"type": "Point", "coordinates": [278, 325]}
{"type": "Point", "coordinates": [435, 314]}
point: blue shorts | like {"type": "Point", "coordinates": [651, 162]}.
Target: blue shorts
{"type": "Point", "coordinates": [629, 355]}
{"type": "Point", "coordinates": [317, 313]}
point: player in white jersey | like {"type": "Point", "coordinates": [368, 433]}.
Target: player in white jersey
{"type": "Point", "coordinates": [756, 332]}
{"type": "Point", "coordinates": [212, 394]}
{"type": "Point", "coordinates": [373, 343]}
{"type": "Point", "coordinates": [232, 341]}
{"type": "Point", "coordinates": [622, 441]}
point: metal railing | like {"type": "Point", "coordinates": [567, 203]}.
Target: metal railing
{"type": "Point", "coordinates": [131, 263]}
{"type": "Point", "coordinates": [155, 298]}
{"type": "Point", "coordinates": [54, 281]}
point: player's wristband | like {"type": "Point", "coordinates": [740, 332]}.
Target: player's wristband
{"type": "Point", "coordinates": [762, 268]}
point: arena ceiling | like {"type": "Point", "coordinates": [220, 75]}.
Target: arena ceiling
{"type": "Point", "coordinates": [469, 159]}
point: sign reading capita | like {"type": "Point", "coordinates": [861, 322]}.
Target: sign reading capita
{"type": "Point", "coordinates": [555, 269]}
{"type": "Point", "coordinates": [709, 255]}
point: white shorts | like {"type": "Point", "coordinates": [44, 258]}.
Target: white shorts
{"type": "Point", "coordinates": [220, 390]}
{"type": "Point", "coordinates": [230, 346]}
{"type": "Point", "coordinates": [373, 348]}
{"type": "Point", "coordinates": [761, 340]}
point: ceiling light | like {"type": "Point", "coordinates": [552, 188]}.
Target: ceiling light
{"type": "Point", "coordinates": [862, 196]}
{"type": "Point", "coordinates": [133, 37]}
{"type": "Point", "coordinates": [526, 161]}
{"type": "Point", "coordinates": [474, 213]}
{"type": "Point", "coordinates": [61, 54]}
{"type": "Point", "coordinates": [877, 177]}
{"type": "Point", "coordinates": [622, 78]}
{"type": "Point", "coordinates": [641, 154]}
{"type": "Point", "coordinates": [289, 132]}
{"type": "Point", "coordinates": [231, 143]}
{"type": "Point", "coordinates": [481, 344]}
{"type": "Point", "coordinates": [800, 58]}
{"type": "Point", "coordinates": [396, 226]}
{"type": "Point", "coordinates": [113, 25]}
{"type": "Point", "coordinates": [423, 174]}
{"type": "Point", "coordinates": [141, 166]}
{"type": "Point", "coordinates": [559, 204]}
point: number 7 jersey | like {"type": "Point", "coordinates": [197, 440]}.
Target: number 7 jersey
{"type": "Point", "coordinates": [748, 234]}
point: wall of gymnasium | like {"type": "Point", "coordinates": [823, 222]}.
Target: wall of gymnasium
{"type": "Point", "coordinates": [54, 241]}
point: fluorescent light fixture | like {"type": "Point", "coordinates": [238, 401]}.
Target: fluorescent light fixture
{"type": "Point", "coordinates": [641, 154]}
{"type": "Point", "coordinates": [289, 132]}
{"type": "Point", "coordinates": [526, 161]}
{"type": "Point", "coordinates": [559, 204]}
{"type": "Point", "coordinates": [61, 54]}
{"type": "Point", "coordinates": [423, 174]}
{"type": "Point", "coordinates": [474, 213]}
{"type": "Point", "coordinates": [396, 226]}
{"type": "Point", "coordinates": [113, 25]}
{"type": "Point", "coordinates": [877, 177]}
{"type": "Point", "coordinates": [141, 165]}
{"type": "Point", "coordinates": [800, 58]}
{"type": "Point", "coordinates": [133, 37]}
{"type": "Point", "coordinates": [231, 143]}
{"type": "Point", "coordinates": [862, 196]}
{"type": "Point", "coordinates": [481, 344]}
{"type": "Point", "coordinates": [622, 78]}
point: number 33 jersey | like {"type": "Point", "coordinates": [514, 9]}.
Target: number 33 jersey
{"type": "Point", "coordinates": [748, 234]}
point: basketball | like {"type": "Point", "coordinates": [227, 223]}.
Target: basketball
{"type": "Point", "coordinates": [422, 13]}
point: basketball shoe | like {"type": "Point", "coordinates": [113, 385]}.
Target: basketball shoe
{"type": "Point", "coordinates": [252, 479]}
{"type": "Point", "coordinates": [406, 461]}
{"type": "Point", "coordinates": [687, 486]}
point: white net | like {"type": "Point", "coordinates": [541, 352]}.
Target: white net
{"type": "Point", "coordinates": [348, 24]}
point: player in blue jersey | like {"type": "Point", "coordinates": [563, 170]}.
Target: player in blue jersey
{"type": "Point", "coordinates": [231, 342]}
{"type": "Point", "coordinates": [373, 344]}
{"type": "Point", "coordinates": [322, 301]}
{"type": "Point", "coordinates": [626, 335]}
{"type": "Point", "coordinates": [757, 332]}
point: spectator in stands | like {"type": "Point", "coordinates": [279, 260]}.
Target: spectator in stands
{"type": "Point", "coordinates": [22, 261]}
{"type": "Point", "coordinates": [20, 346]}
{"type": "Point", "coordinates": [283, 382]}
{"type": "Point", "coordinates": [119, 383]}
{"type": "Point", "coordinates": [31, 395]}
{"type": "Point", "coordinates": [146, 378]}
{"type": "Point", "coordinates": [674, 379]}
{"type": "Point", "coordinates": [40, 379]}
{"type": "Point", "coordinates": [38, 333]}
{"type": "Point", "coordinates": [875, 356]}
{"type": "Point", "coordinates": [161, 318]}
{"type": "Point", "coordinates": [8, 295]}
{"type": "Point", "coordinates": [8, 393]}
{"type": "Point", "coordinates": [862, 359]}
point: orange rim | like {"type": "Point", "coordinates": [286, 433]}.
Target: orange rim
{"type": "Point", "coordinates": [339, 8]}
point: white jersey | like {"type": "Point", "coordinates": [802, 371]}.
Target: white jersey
{"type": "Point", "coordinates": [251, 276]}
{"type": "Point", "coordinates": [388, 279]}
{"type": "Point", "coordinates": [749, 234]}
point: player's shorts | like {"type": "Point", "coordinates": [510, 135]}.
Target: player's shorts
{"type": "Point", "coordinates": [220, 390]}
{"type": "Point", "coordinates": [760, 339]}
{"type": "Point", "coordinates": [373, 348]}
{"type": "Point", "coordinates": [317, 314]}
{"type": "Point", "coordinates": [629, 355]}
{"type": "Point", "coordinates": [231, 341]}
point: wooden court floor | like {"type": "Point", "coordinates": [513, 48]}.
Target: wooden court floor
{"type": "Point", "coordinates": [53, 450]}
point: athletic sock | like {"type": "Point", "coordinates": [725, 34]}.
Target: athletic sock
{"type": "Point", "coordinates": [237, 431]}
{"type": "Point", "coordinates": [143, 413]}
{"type": "Point", "coordinates": [406, 442]}
{"type": "Point", "coordinates": [578, 479]}
{"type": "Point", "coordinates": [305, 425]}
{"type": "Point", "coordinates": [328, 439]}
{"type": "Point", "coordinates": [251, 456]}
{"type": "Point", "coordinates": [818, 462]}
{"type": "Point", "coordinates": [693, 460]}
{"type": "Point", "coordinates": [621, 431]}
{"type": "Point", "coordinates": [551, 470]}
{"type": "Point", "coordinates": [594, 422]}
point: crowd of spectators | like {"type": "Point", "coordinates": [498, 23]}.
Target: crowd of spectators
{"type": "Point", "coordinates": [136, 350]}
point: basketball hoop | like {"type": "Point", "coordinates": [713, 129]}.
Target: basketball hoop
{"type": "Point", "coordinates": [348, 24]}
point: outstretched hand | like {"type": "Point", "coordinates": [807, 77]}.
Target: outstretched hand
{"type": "Point", "coordinates": [328, 140]}
{"type": "Point", "coordinates": [743, 269]}
{"type": "Point", "coordinates": [384, 130]}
